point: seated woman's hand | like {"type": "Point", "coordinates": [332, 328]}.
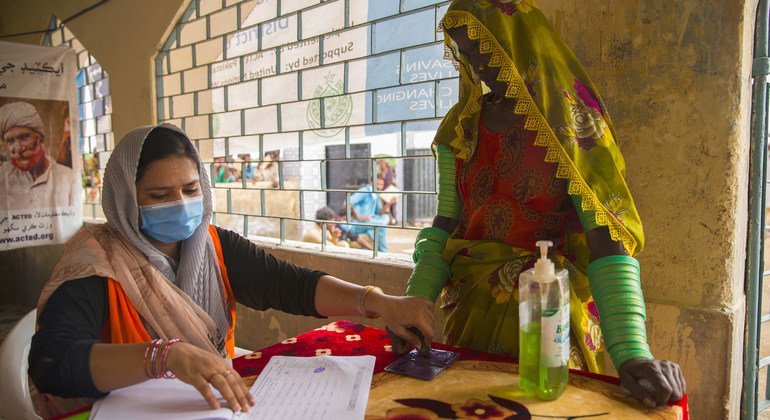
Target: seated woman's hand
{"type": "Point", "coordinates": [402, 312]}
{"type": "Point", "coordinates": [200, 368]}
{"type": "Point", "coordinates": [654, 382]}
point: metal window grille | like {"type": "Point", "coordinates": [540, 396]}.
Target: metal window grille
{"type": "Point", "coordinates": [95, 117]}
{"type": "Point", "coordinates": [299, 104]}
{"type": "Point", "coordinates": [756, 389]}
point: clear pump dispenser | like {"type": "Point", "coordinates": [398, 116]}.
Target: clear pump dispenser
{"type": "Point", "coordinates": [543, 328]}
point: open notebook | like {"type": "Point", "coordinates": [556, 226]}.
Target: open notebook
{"type": "Point", "coordinates": [323, 387]}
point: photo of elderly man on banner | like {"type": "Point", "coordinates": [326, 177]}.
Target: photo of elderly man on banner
{"type": "Point", "coordinates": [41, 199]}
{"type": "Point", "coordinates": [33, 178]}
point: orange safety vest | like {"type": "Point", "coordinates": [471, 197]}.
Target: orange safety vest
{"type": "Point", "coordinates": [125, 326]}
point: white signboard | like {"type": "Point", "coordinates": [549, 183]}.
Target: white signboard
{"type": "Point", "coordinates": [40, 186]}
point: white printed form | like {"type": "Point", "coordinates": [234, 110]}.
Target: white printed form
{"type": "Point", "coordinates": [322, 387]}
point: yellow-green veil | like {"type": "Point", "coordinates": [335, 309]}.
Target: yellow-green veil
{"type": "Point", "coordinates": [558, 99]}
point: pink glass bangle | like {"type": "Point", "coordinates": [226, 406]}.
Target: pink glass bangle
{"type": "Point", "coordinates": [146, 352]}
{"type": "Point", "coordinates": [149, 365]}
{"type": "Point", "coordinates": [154, 358]}
{"type": "Point", "coordinates": [167, 374]}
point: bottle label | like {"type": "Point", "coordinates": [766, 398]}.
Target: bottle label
{"type": "Point", "coordinates": [554, 344]}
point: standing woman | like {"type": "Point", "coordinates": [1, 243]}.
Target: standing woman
{"type": "Point", "coordinates": [529, 153]}
{"type": "Point", "coordinates": [126, 291]}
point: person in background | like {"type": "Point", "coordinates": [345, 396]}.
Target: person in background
{"type": "Point", "coordinates": [31, 179]}
{"type": "Point", "coordinates": [248, 168]}
{"type": "Point", "coordinates": [529, 153]}
{"type": "Point", "coordinates": [267, 170]}
{"type": "Point", "coordinates": [366, 207]}
{"type": "Point", "coordinates": [388, 199]}
{"type": "Point", "coordinates": [349, 234]}
{"type": "Point", "coordinates": [151, 293]}
{"type": "Point", "coordinates": [91, 177]}
{"type": "Point", "coordinates": [234, 167]}
{"type": "Point", "coordinates": [332, 232]}
{"type": "Point", "coordinates": [222, 170]}
{"type": "Point", "coordinates": [387, 171]}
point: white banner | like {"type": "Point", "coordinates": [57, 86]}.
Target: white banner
{"type": "Point", "coordinates": [40, 183]}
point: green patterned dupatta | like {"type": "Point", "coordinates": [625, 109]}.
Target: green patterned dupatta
{"type": "Point", "coordinates": [558, 99]}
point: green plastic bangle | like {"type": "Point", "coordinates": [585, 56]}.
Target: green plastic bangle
{"type": "Point", "coordinates": [642, 351]}
{"type": "Point", "coordinates": [624, 323]}
{"type": "Point", "coordinates": [614, 277]}
{"type": "Point", "coordinates": [612, 329]}
{"type": "Point", "coordinates": [622, 357]}
{"type": "Point", "coordinates": [587, 217]}
{"type": "Point", "coordinates": [626, 309]}
{"type": "Point", "coordinates": [604, 272]}
{"type": "Point", "coordinates": [448, 202]}
{"type": "Point", "coordinates": [429, 245]}
{"type": "Point", "coordinates": [617, 321]}
{"type": "Point", "coordinates": [632, 337]}
{"type": "Point", "coordinates": [628, 347]}
{"type": "Point", "coordinates": [612, 262]}
{"type": "Point", "coordinates": [615, 273]}
{"type": "Point", "coordinates": [617, 292]}
{"type": "Point", "coordinates": [608, 288]}
{"type": "Point", "coordinates": [430, 275]}
{"type": "Point", "coordinates": [429, 239]}
{"type": "Point", "coordinates": [621, 298]}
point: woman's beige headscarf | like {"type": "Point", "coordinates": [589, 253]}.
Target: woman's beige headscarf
{"type": "Point", "coordinates": [184, 300]}
{"type": "Point", "coordinates": [197, 272]}
{"type": "Point", "coordinates": [176, 300]}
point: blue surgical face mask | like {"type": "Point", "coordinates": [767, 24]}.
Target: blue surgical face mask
{"type": "Point", "coordinates": [172, 222]}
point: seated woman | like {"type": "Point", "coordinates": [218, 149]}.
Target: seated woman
{"type": "Point", "coordinates": [534, 158]}
{"type": "Point", "coordinates": [124, 292]}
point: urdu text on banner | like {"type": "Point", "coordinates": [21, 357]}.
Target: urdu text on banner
{"type": "Point", "coordinates": [40, 185]}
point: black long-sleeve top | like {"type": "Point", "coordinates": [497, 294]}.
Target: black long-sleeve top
{"type": "Point", "coordinates": [72, 319]}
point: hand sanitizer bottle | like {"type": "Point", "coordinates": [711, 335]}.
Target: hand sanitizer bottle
{"type": "Point", "coordinates": [543, 328]}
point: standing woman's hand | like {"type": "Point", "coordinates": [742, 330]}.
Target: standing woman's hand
{"type": "Point", "coordinates": [653, 382]}
{"type": "Point", "coordinates": [402, 312]}
{"type": "Point", "coordinates": [200, 368]}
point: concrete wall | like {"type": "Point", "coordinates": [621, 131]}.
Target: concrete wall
{"type": "Point", "coordinates": [676, 79]}
{"type": "Point", "coordinates": [255, 329]}
{"type": "Point", "coordinates": [675, 76]}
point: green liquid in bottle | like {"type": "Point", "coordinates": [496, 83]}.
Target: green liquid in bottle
{"type": "Point", "coordinates": [545, 383]}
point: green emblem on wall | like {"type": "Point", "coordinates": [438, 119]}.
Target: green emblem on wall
{"type": "Point", "coordinates": [337, 108]}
